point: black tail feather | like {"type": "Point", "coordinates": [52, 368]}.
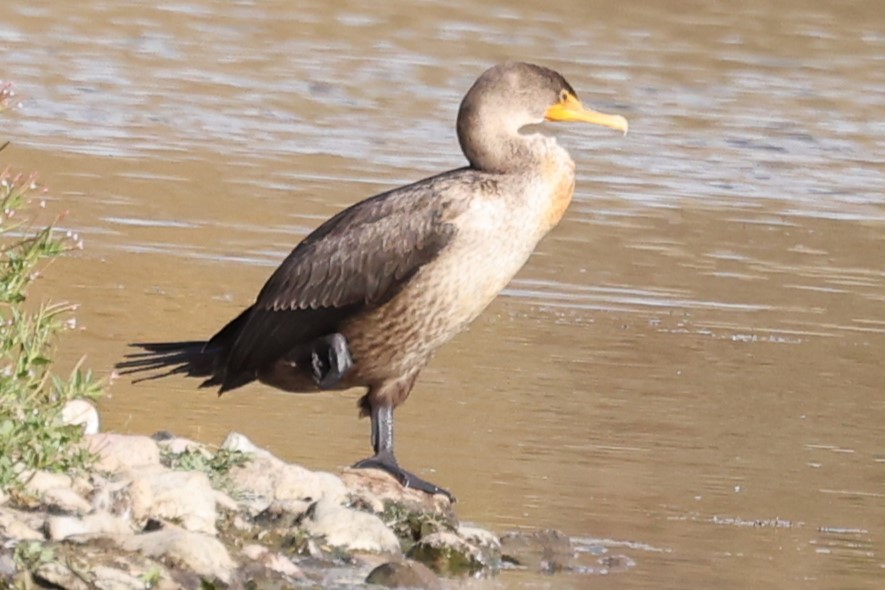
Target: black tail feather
{"type": "Point", "coordinates": [194, 359]}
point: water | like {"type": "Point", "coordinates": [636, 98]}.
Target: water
{"type": "Point", "coordinates": [688, 371]}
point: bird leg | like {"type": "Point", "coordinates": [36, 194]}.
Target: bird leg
{"type": "Point", "coordinates": [384, 459]}
{"type": "Point", "coordinates": [329, 360]}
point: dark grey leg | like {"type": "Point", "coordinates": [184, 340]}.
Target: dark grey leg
{"type": "Point", "coordinates": [382, 443]}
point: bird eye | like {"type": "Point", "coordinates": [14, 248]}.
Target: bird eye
{"type": "Point", "coordinates": [564, 95]}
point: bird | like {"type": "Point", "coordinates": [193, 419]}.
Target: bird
{"type": "Point", "coordinates": [367, 298]}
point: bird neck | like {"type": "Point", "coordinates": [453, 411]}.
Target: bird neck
{"type": "Point", "coordinates": [501, 149]}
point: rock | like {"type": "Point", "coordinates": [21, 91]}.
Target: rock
{"type": "Point", "coordinates": [273, 561]}
{"type": "Point", "coordinates": [203, 554]}
{"type": "Point", "coordinates": [38, 482]}
{"type": "Point", "coordinates": [235, 441]}
{"type": "Point", "coordinates": [404, 574]}
{"type": "Point", "coordinates": [447, 554]}
{"type": "Point", "coordinates": [57, 575]}
{"type": "Point", "coordinates": [265, 479]}
{"type": "Point", "coordinates": [486, 541]}
{"type": "Point", "coordinates": [82, 412]}
{"type": "Point", "coordinates": [224, 501]}
{"type": "Point", "coordinates": [183, 497]}
{"type": "Point", "coordinates": [349, 529]}
{"type": "Point", "coordinates": [14, 526]}
{"type": "Point", "coordinates": [65, 500]}
{"type": "Point", "coordinates": [545, 551]}
{"type": "Point", "coordinates": [178, 445]}
{"type": "Point", "coordinates": [98, 523]}
{"type": "Point", "coordinates": [8, 567]}
{"type": "Point", "coordinates": [119, 451]}
{"type": "Point", "coordinates": [375, 486]}
{"type": "Point", "coordinates": [109, 578]}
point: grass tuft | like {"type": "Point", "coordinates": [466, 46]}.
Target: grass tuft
{"type": "Point", "coordinates": [32, 436]}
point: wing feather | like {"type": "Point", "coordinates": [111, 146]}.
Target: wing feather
{"type": "Point", "coordinates": [359, 258]}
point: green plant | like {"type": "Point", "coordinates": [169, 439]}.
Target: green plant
{"type": "Point", "coordinates": [30, 553]}
{"type": "Point", "coordinates": [32, 435]}
{"type": "Point", "coordinates": [216, 465]}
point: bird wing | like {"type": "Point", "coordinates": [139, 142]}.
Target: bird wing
{"type": "Point", "coordinates": [358, 259]}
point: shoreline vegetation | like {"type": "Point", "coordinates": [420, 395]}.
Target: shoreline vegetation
{"type": "Point", "coordinates": [80, 508]}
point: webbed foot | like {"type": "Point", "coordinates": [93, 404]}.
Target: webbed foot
{"type": "Point", "coordinates": [387, 462]}
{"type": "Point", "coordinates": [329, 360]}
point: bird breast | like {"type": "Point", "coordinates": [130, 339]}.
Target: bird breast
{"type": "Point", "coordinates": [496, 233]}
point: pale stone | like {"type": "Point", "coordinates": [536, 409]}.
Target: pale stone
{"type": "Point", "coordinates": [57, 575]}
{"type": "Point", "coordinates": [265, 480]}
{"type": "Point", "coordinates": [37, 482]}
{"type": "Point", "coordinates": [350, 529]}
{"type": "Point", "coordinates": [119, 451]}
{"type": "Point", "coordinates": [82, 412]}
{"type": "Point", "coordinates": [297, 483]}
{"type": "Point", "coordinates": [13, 526]}
{"type": "Point", "coordinates": [179, 445]}
{"type": "Point", "coordinates": [65, 500]}
{"type": "Point", "coordinates": [108, 578]}
{"type": "Point", "coordinates": [203, 554]}
{"type": "Point", "coordinates": [255, 551]}
{"type": "Point", "coordinates": [240, 442]}
{"type": "Point", "coordinates": [98, 523]}
{"type": "Point", "coordinates": [225, 502]}
{"type": "Point", "coordinates": [184, 497]}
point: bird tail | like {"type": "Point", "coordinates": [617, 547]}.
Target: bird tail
{"type": "Point", "coordinates": [194, 359]}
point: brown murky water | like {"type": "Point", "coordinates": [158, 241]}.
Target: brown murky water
{"type": "Point", "coordinates": [690, 368]}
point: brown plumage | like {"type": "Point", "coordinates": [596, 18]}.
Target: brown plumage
{"type": "Point", "coordinates": [367, 298]}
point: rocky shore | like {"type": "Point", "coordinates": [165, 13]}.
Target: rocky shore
{"type": "Point", "coordinates": [166, 512]}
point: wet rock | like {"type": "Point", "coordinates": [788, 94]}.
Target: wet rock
{"type": "Point", "coordinates": [118, 451]}
{"type": "Point", "coordinates": [486, 541]}
{"type": "Point", "coordinates": [98, 523]}
{"type": "Point", "coordinates": [349, 529]}
{"type": "Point", "coordinates": [82, 412]}
{"type": "Point", "coordinates": [404, 574]}
{"type": "Point", "coordinates": [273, 561]}
{"type": "Point", "coordinates": [201, 553]}
{"type": "Point", "coordinates": [183, 497]}
{"type": "Point", "coordinates": [545, 551]}
{"type": "Point", "coordinates": [448, 554]}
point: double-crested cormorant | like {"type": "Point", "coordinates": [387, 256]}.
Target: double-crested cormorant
{"type": "Point", "coordinates": [367, 298]}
